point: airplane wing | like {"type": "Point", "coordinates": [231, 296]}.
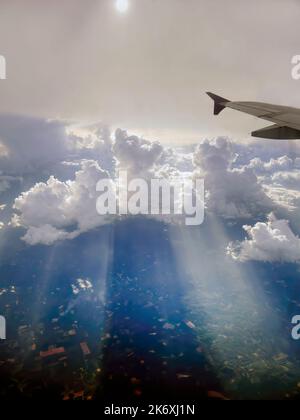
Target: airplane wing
{"type": "Point", "coordinates": [286, 120]}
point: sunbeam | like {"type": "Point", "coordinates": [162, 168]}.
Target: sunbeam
{"type": "Point", "coordinates": [237, 322]}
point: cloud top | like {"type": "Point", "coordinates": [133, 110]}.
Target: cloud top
{"type": "Point", "coordinates": [272, 241]}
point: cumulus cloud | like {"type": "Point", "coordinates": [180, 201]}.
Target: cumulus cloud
{"type": "Point", "coordinates": [82, 285]}
{"type": "Point", "coordinates": [232, 192]}
{"type": "Point", "coordinates": [263, 152]}
{"type": "Point", "coordinates": [288, 200]}
{"type": "Point", "coordinates": [34, 145]}
{"type": "Point", "coordinates": [92, 142]}
{"type": "Point", "coordinates": [282, 163]}
{"type": "Point", "coordinates": [60, 210]}
{"type": "Point", "coordinates": [280, 179]}
{"type": "Point", "coordinates": [289, 180]}
{"type": "Point", "coordinates": [64, 206]}
{"type": "Point", "coordinates": [134, 154]}
{"type": "Point", "coordinates": [46, 235]}
{"type": "Point", "coordinates": [180, 159]}
{"type": "Point", "coordinates": [273, 241]}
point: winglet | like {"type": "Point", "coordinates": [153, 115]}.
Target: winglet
{"type": "Point", "coordinates": [220, 103]}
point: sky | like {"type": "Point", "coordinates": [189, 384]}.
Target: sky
{"type": "Point", "coordinates": [147, 70]}
{"type": "Point", "coordinates": [92, 91]}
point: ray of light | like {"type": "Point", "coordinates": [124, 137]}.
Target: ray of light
{"type": "Point", "coordinates": [237, 321]}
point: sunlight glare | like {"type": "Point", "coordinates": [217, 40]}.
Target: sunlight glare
{"type": "Point", "coordinates": [122, 6]}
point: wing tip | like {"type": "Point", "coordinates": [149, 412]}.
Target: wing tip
{"type": "Point", "coordinates": [220, 103]}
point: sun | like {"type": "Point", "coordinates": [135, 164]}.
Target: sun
{"type": "Point", "coordinates": [122, 5]}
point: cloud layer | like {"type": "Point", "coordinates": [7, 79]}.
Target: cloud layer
{"type": "Point", "coordinates": [232, 192]}
{"type": "Point", "coordinates": [273, 241]}
{"type": "Point", "coordinates": [60, 210]}
{"type": "Point", "coordinates": [62, 163]}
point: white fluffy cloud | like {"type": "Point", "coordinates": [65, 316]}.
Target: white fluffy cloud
{"type": "Point", "coordinates": [47, 235]}
{"type": "Point", "coordinates": [82, 285]}
{"type": "Point", "coordinates": [180, 159]}
{"type": "Point", "coordinates": [273, 241]}
{"type": "Point", "coordinates": [283, 163]}
{"type": "Point", "coordinates": [280, 179]}
{"type": "Point", "coordinates": [136, 155]}
{"type": "Point", "coordinates": [60, 210]}
{"type": "Point", "coordinates": [288, 200]}
{"type": "Point", "coordinates": [289, 180]}
{"type": "Point", "coordinates": [237, 184]}
{"type": "Point", "coordinates": [232, 193]}
{"type": "Point", "coordinates": [34, 145]}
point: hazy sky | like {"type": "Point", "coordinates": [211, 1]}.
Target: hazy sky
{"type": "Point", "coordinates": [147, 70]}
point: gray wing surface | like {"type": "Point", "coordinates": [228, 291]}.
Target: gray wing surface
{"type": "Point", "coordinates": [286, 120]}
